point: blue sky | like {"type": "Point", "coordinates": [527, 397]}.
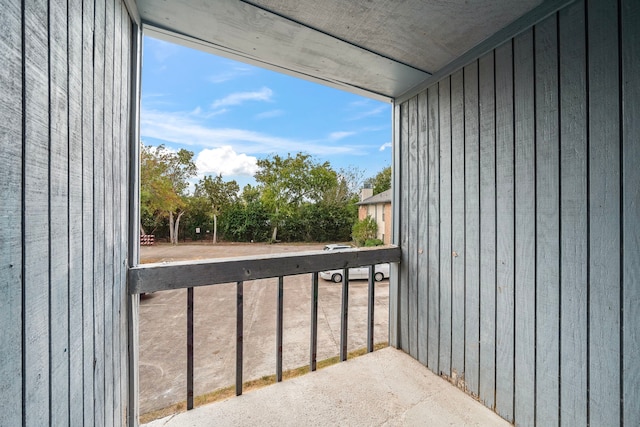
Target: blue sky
{"type": "Point", "coordinates": [230, 114]}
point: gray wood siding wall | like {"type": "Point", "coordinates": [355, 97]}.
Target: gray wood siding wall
{"type": "Point", "coordinates": [64, 144]}
{"type": "Point", "coordinates": [520, 221]}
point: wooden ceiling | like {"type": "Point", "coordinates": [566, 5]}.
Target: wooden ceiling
{"type": "Point", "coordinates": [379, 48]}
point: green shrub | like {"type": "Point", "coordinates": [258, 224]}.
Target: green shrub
{"type": "Point", "coordinates": [373, 242]}
{"type": "Point", "coordinates": [364, 230]}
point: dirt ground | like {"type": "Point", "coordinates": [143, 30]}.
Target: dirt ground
{"type": "Point", "coordinates": [163, 324]}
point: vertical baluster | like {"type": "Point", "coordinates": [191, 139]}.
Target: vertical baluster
{"type": "Point", "coordinates": [239, 335]}
{"type": "Point", "coordinates": [314, 322]}
{"type": "Point", "coordinates": [189, 348]}
{"type": "Point", "coordinates": [279, 329]}
{"type": "Point", "coordinates": [370, 307]}
{"type": "Point", "coordinates": [344, 314]}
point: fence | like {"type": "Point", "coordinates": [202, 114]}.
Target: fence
{"type": "Point", "coordinates": [178, 275]}
{"type": "Point", "coordinates": [147, 239]}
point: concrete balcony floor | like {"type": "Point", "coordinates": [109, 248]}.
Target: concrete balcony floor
{"type": "Point", "coordinates": [384, 388]}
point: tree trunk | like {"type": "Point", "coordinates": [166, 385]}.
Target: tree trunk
{"type": "Point", "coordinates": [175, 232]}
{"type": "Point", "coordinates": [142, 229]}
{"type": "Point", "coordinates": [215, 229]}
{"type": "Point", "coordinates": [274, 235]}
{"type": "Point", "coordinates": [171, 238]}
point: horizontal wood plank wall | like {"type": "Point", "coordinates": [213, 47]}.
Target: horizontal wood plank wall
{"type": "Point", "coordinates": [63, 184]}
{"type": "Point", "coordinates": [529, 294]}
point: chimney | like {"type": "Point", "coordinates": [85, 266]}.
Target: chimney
{"type": "Point", "coordinates": [367, 191]}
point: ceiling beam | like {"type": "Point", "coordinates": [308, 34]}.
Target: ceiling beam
{"type": "Point", "coordinates": [247, 33]}
{"type": "Point", "coordinates": [518, 26]}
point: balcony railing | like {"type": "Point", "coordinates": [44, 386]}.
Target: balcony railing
{"type": "Point", "coordinates": [189, 274]}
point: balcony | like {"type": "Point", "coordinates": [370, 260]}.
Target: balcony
{"type": "Point", "coordinates": [395, 388]}
{"type": "Point", "coordinates": [383, 388]}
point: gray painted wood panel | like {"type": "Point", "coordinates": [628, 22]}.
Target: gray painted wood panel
{"type": "Point", "coordinates": [126, 62]}
{"type": "Point", "coordinates": [128, 123]}
{"type": "Point", "coordinates": [444, 96]}
{"type": "Point", "coordinates": [404, 229]}
{"type": "Point", "coordinates": [133, 229]}
{"type": "Point", "coordinates": [120, 178]}
{"type": "Point", "coordinates": [413, 153]}
{"type": "Point", "coordinates": [505, 229]}
{"type": "Point", "coordinates": [75, 213]}
{"type": "Point", "coordinates": [604, 214]}
{"type": "Point", "coordinates": [59, 220]}
{"type": "Point", "coordinates": [117, 207]}
{"type": "Point", "coordinates": [109, 185]}
{"type": "Point", "coordinates": [487, 315]}
{"type": "Point", "coordinates": [87, 211]}
{"type": "Point", "coordinates": [49, 364]}
{"type": "Point", "coordinates": [547, 224]}
{"type": "Point", "coordinates": [549, 157]}
{"type": "Point", "coordinates": [422, 252]}
{"type": "Point", "coordinates": [36, 223]}
{"type": "Point", "coordinates": [573, 217]}
{"type": "Point", "coordinates": [457, 254]}
{"type": "Point", "coordinates": [433, 201]}
{"type": "Point", "coordinates": [630, 211]}
{"type": "Point", "coordinates": [99, 236]}
{"type": "Point", "coordinates": [472, 229]}
{"type": "Point", "coordinates": [525, 191]}
{"type": "Point", "coordinates": [11, 284]}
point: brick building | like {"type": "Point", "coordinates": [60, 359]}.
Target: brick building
{"type": "Point", "coordinates": [377, 207]}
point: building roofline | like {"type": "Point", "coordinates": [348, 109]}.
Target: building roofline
{"type": "Point", "coordinates": [384, 197]}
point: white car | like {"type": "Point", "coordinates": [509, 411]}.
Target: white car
{"type": "Point", "coordinates": [382, 272]}
{"type": "Point", "coordinates": [336, 247]}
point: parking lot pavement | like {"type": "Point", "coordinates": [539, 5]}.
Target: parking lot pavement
{"type": "Point", "coordinates": [163, 325]}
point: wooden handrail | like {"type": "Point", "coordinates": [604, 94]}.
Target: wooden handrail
{"type": "Point", "coordinates": [147, 278]}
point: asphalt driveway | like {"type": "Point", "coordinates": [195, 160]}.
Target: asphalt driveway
{"type": "Point", "coordinates": [163, 324]}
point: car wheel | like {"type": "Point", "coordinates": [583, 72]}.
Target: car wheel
{"type": "Point", "coordinates": [337, 278]}
{"type": "Point", "coordinates": [378, 277]}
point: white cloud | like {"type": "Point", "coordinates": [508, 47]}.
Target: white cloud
{"type": "Point", "coordinates": [197, 112]}
{"type": "Point", "coordinates": [238, 98]}
{"type": "Point", "coordinates": [335, 136]}
{"type": "Point", "coordinates": [269, 114]}
{"type": "Point", "coordinates": [225, 161]}
{"type": "Point", "coordinates": [185, 129]}
{"type": "Point", "coordinates": [157, 100]}
{"type": "Point", "coordinates": [385, 145]}
{"type": "Point", "coordinates": [360, 103]}
{"type": "Point", "coordinates": [373, 112]}
{"type": "Point", "coordinates": [233, 73]}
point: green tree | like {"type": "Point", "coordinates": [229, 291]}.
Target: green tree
{"type": "Point", "coordinates": [346, 188]}
{"type": "Point", "coordinates": [198, 215]}
{"type": "Point", "coordinates": [250, 194]}
{"type": "Point", "coordinates": [382, 181]}
{"type": "Point", "coordinates": [288, 182]}
{"type": "Point", "coordinates": [220, 195]}
{"type": "Point", "coordinates": [244, 222]}
{"type": "Point", "coordinates": [164, 176]}
{"type": "Point", "coordinates": [364, 230]}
